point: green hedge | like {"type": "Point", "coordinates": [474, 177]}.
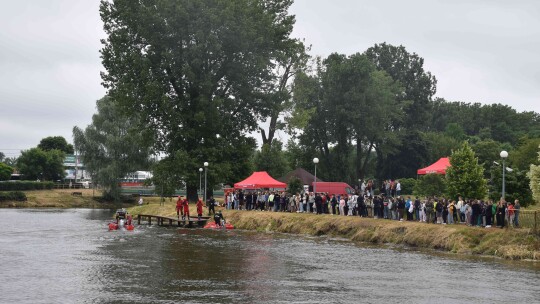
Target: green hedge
{"type": "Point", "coordinates": [25, 185]}
{"type": "Point", "coordinates": [12, 196]}
{"type": "Point", "coordinates": [407, 185]}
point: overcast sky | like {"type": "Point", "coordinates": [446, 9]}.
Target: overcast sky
{"type": "Point", "coordinates": [486, 52]}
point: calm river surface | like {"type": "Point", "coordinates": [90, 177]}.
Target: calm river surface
{"type": "Point", "coordinates": [68, 256]}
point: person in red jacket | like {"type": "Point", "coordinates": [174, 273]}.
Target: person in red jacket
{"type": "Point", "coordinates": [199, 208]}
{"type": "Point", "coordinates": [179, 204]}
{"type": "Point", "coordinates": [186, 209]}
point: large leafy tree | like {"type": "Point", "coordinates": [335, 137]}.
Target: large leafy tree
{"type": "Point", "coordinates": [271, 158]}
{"type": "Point", "coordinates": [198, 71]}
{"type": "Point", "coordinates": [417, 89]}
{"type": "Point", "coordinates": [516, 185]}
{"type": "Point", "coordinates": [418, 85]}
{"type": "Point", "coordinates": [347, 105]}
{"type": "Point", "coordinates": [465, 176]}
{"type": "Point", "coordinates": [56, 142]}
{"type": "Point", "coordinates": [112, 146]}
{"type": "Point", "coordinates": [525, 154]}
{"type": "Point", "coordinates": [439, 145]}
{"type": "Point", "coordinates": [43, 165]}
{"type": "Point", "coordinates": [290, 60]}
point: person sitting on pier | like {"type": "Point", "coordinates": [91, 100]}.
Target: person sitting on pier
{"type": "Point", "coordinates": [219, 219]}
{"type": "Point", "coordinates": [179, 210]}
{"type": "Point", "coordinates": [199, 208]}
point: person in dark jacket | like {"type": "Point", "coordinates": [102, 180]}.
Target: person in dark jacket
{"type": "Point", "coordinates": [501, 212]}
{"type": "Point", "coordinates": [401, 207]}
{"type": "Point", "coordinates": [318, 203]}
{"type": "Point", "coordinates": [333, 203]}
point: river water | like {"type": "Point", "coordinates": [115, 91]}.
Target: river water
{"type": "Point", "coordinates": [68, 256]}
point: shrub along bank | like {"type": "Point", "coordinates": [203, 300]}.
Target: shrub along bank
{"type": "Point", "coordinates": [25, 186]}
{"type": "Point", "coordinates": [515, 244]}
{"type": "Point", "coordinates": [17, 196]}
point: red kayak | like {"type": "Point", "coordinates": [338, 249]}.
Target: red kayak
{"type": "Point", "coordinates": [213, 225]}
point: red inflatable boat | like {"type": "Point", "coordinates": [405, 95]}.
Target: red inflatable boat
{"type": "Point", "coordinates": [115, 226]}
{"type": "Point", "coordinates": [213, 225]}
{"type": "Point", "coordinates": [123, 220]}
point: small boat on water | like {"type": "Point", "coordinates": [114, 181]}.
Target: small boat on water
{"type": "Point", "coordinates": [213, 225]}
{"type": "Point", "coordinates": [123, 221]}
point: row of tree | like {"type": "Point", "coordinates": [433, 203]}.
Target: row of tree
{"type": "Point", "coordinates": [194, 79]}
{"type": "Point", "coordinates": [44, 162]}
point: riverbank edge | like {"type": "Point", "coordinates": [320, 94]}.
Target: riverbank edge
{"type": "Point", "coordinates": [63, 199]}
{"type": "Point", "coordinates": [511, 244]}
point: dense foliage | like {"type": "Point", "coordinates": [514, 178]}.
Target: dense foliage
{"type": "Point", "coordinates": [534, 176]}
{"type": "Point", "coordinates": [12, 196]}
{"type": "Point", "coordinates": [112, 146]}
{"type": "Point", "coordinates": [37, 164]}
{"type": "Point", "coordinates": [199, 72]}
{"type": "Point", "coordinates": [25, 186]}
{"type": "Point", "coordinates": [5, 172]}
{"type": "Point", "coordinates": [203, 74]}
{"type": "Point", "coordinates": [56, 142]}
{"type": "Point", "coordinates": [465, 177]}
{"type": "Point", "coordinates": [294, 185]}
{"type": "Point", "coordinates": [430, 185]}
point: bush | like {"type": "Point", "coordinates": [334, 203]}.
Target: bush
{"type": "Point", "coordinates": [430, 185]}
{"type": "Point", "coordinates": [25, 185]}
{"type": "Point", "coordinates": [407, 185]}
{"type": "Point", "coordinates": [294, 185]}
{"type": "Point", "coordinates": [12, 196]}
{"type": "Point", "coordinates": [5, 172]}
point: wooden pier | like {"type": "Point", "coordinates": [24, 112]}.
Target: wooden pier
{"type": "Point", "coordinates": [193, 222]}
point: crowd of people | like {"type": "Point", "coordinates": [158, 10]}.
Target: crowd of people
{"type": "Point", "coordinates": [390, 205]}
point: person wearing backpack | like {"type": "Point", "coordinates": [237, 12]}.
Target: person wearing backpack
{"type": "Point", "coordinates": [417, 205]}
{"type": "Point", "coordinates": [429, 211]}
{"type": "Point", "coordinates": [401, 208]}
{"type": "Point", "coordinates": [439, 211]}
{"type": "Point", "coordinates": [408, 205]}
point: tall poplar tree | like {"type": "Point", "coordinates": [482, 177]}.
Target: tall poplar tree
{"type": "Point", "coordinates": [198, 71]}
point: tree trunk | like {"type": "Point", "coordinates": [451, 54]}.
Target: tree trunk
{"type": "Point", "coordinates": [191, 193]}
{"type": "Point", "coordinates": [359, 171]}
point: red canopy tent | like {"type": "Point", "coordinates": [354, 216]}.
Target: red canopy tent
{"type": "Point", "coordinates": [439, 167]}
{"type": "Point", "coordinates": [259, 180]}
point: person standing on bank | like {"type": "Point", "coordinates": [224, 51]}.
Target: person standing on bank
{"type": "Point", "coordinates": [517, 206]}
{"type": "Point", "coordinates": [211, 203]}
{"type": "Point", "coordinates": [199, 208]}
{"type": "Point", "coordinates": [489, 214]}
{"type": "Point", "coordinates": [501, 212]}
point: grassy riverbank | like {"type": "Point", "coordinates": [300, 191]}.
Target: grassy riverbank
{"type": "Point", "coordinates": [515, 244]}
{"type": "Point", "coordinates": [61, 198]}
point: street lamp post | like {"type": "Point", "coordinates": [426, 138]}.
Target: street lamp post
{"type": "Point", "coordinates": [315, 161]}
{"type": "Point", "coordinates": [205, 171]}
{"type": "Point", "coordinates": [504, 155]}
{"type": "Point", "coordinates": [200, 181]}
